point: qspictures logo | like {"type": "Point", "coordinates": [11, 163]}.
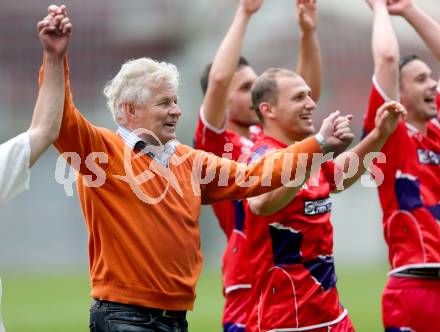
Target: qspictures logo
{"type": "Point", "coordinates": [205, 169]}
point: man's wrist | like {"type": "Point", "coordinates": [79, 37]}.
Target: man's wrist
{"type": "Point", "coordinates": [322, 142]}
{"type": "Point", "coordinates": [308, 33]}
{"type": "Point", "coordinates": [243, 13]}
{"type": "Point", "coordinates": [408, 12]}
{"type": "Point", "coordinates": [52, 57]}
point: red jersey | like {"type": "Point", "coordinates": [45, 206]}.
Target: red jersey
{"type": "Point", "coordinates": [438, 104]}
{"type": "Point", "coordinates": [409, 194]}
{"type": "Point", "coordinates": [292, 257]}
{"type": "Point", "coordinates": [230, 215]}
{"type": "Point", "coordinates": [227, 144]}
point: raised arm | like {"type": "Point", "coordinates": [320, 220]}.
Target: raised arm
{"type": "Point", "coordinates": [278, 199]}
{"type": "Point", "coordinates": [425, 26]}
{"type": "Point", "coordinates": [54, 33]}
{"type": "Point", "coordinates": [309, 62]}
{"type": "Point", "coordinates": [385, 50]}
{"type": "Point", "coordinates": [387, 118]}
{"type": "Point", "coordinates": [236, 181]}
{"type": "Point", "coordinates": [225, 64]}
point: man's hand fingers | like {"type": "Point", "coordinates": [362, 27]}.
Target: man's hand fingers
{"type": "Point", "coordinates": [67, 28]}
{"type": "Point", "coordinates": [41, 25]}
{"type": "Point", "coordinates": [333, 116]}
{"type": "Point", "coordinates": [341, 124]}
{"type": "Point", "coordinates": [63, 22]}
{"type": "Point", "coordinates": [349, 137]}
{"type": "Point", "coordinates": [53, 10]}
{"type": "Point", "coordinates": [338, 133]}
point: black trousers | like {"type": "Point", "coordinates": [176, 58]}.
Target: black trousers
{"type": "Point", "coordinates": [106, 316]}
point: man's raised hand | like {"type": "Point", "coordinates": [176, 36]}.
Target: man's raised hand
{"type": "Point", "coordinates": [54, 31]}
{"type": "Point", "coordinates": [306, 15]}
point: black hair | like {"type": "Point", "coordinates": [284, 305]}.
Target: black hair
{"type": "Point", "coordinates": [405, 59]}
{"type": "Point", "coordinates": [204, 78]}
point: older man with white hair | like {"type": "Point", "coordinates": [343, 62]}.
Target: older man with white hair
{"type": "Point", "coordinates": [19, 153]}
{"type": "Point", "coordinates": [142, 202]}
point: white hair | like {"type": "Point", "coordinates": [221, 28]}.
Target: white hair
{"type": "Point", "coordinates": [135, 82]}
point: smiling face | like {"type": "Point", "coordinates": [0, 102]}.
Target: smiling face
{"type": "Point", "coordinates": [418, 91]}
{"type": "Point", "coordinates": [159, 115]}
{"type": "Point", "coordinates": [292, 112]}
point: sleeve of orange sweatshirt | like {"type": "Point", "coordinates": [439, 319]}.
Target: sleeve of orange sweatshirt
{"type": "Point", "coordinates": [77, 135]}
{"type": "Point", "coordinates": [224, 179]}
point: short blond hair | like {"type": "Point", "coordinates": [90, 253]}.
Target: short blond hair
{"type": "Point", "coordinates": [134, 84]}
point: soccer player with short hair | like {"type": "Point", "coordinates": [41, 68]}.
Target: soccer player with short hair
{"type": "Point", "coordinates": [409, 194]}
{"type": "Point", "coordinates": [289, 231]}
{"type": "Point", "coordinates": [227, 126]}
{"type": "Point", "coordinates": [425, 26]}
{"type": "Point", "coordinates": [20, 153]}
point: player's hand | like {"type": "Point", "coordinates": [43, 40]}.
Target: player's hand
{"type": "Point", "coordinates": [374, 3]}
{"type": "Point", "coordinates": [388, 116]}
{"type": "Point", "coordinates": [337, 132]}
{"type": "Point", "coordinates": [54, 31]}
{"type": "Point", "coordinates": [306, 15]}
{"type": "Point", "coordinates": [250, 6]}
{"type": "Point", "coordinates": [399, 7]}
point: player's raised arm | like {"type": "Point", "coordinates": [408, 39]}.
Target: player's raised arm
{"type": "Point", "coordinates": [309, 61]}
{"type": "Point", "coordinates": [387, 118]}
{"type": "Point", "coordinates": [337, 139]}
{"type": "Point", "coordinates": [54, 33]}
{"type": "Point", "coordinates": [425, 26]}
{"type": "Point", "coordinates": [385, 50]}
{"type": "Point", "coordinates": [225, 64]}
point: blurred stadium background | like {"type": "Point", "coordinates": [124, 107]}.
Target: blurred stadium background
{"type": "Point", "coordinates": [43, 241]}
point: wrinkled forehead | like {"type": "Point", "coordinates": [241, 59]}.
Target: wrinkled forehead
{"type": "Point", "coordinates": [163, 90]}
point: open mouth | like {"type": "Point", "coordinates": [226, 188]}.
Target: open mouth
{"type": "Point", "coordinates": [430, 100]}
{"type": "Point", "coordinates": [307, 117]}
{"type": "Point", "coordinates": [170, 124]}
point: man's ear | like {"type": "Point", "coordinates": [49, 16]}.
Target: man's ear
{"type": "Point", "coordinates": [267, 110]}
{"type": "Point", "coordinates": [130, 112]}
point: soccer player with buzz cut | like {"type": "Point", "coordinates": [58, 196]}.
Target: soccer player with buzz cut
{"type": "Point", "coordinates": [289, 231]}
{"type": "Point", "coordinates": [227, 126]}
{"type": "Point", "coordinates": [409, 194]}
{"type": "Point", "coordinates": [20, 153]}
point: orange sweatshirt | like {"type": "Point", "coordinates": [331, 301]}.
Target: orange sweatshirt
{"type": "Point", "coordinates": [149, 254]}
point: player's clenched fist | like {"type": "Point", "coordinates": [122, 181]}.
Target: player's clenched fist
{"type": "Point", "coordinates": [399, 7]}
{"type": "Point", "coordinates": [336, 133]}
{"type": "Point", "coordinates": [54, 31]}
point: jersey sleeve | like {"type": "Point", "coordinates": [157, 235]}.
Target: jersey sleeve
{"type": "Point", "coordinates": [329, 170]}
{"type": "Point", "coordinates": [15, 157]}
{"type": "Point", "coordinates": [376, 100]}
{"type": "Point", "coordinates": [208, 138]}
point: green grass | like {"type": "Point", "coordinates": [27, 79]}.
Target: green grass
{"type": "Point", "coordinates": [55, 303]}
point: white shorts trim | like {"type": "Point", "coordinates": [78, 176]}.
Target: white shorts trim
{"type": "Point", "coordinates": [413, 266]}
{"type": "Point", "coordinates": [311, 327]}
{"type": "Point", "coordinates": [235, 287]}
